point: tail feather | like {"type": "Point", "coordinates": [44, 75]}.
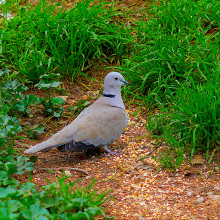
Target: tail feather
{"type": "Point", "coordinates": [71, 146]}
{"type": "Point", "coordinates": [39, 147]}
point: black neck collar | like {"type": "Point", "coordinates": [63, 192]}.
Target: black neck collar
{"type": "Point", "coordinates": [109, 95]}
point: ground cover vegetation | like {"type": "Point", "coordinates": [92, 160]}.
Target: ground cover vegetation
{"type": "Point", "coordinates": [170, 55]}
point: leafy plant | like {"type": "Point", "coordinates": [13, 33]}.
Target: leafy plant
{"type": "Point", "coordinates": [9, 166]}
{"type": "Point", "coordinates": [13, 104]}
{"type": "Point", "coordinates": [12, 91]}
{"type": "Point", "coordinates": [11, 94]}
{"type": "Point", "coordinates": [2, 75]}
{"type": "Point", "coordinates": [23, 104]}
{"type": "Point", "coordinates": [23, 164]}
{"type": "Point", "coordinates": [52, 106]}
{"type": "Point", "coordinates": [80, 105]}
{"type": "Point", "coordinates": [55, 201]}
{"type": "Point", "coordinates": [39, 129]}
{"type": "Point", "coordinates": [9, 127]}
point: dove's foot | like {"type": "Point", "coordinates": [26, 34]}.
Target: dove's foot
{"type": "Point", "coordinates": [111, 151]}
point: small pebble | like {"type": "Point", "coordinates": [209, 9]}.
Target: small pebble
{"type": "Point", "coordinates": [189, 193]}
{"type": "Point", "coordinates": [215, 197]}
{"type": "Point", "coordinates": [199, 200]}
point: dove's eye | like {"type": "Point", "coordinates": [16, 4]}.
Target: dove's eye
{"type": "Point", "coordinates": [116, 78]}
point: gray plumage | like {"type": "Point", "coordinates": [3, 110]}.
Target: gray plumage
{"type": "Point", "coordinates": [96, 126]}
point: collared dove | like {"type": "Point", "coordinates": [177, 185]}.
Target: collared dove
{"type": "Point", "coordinates": [96, 126]}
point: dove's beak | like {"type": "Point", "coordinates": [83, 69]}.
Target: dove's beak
{"type": "Point", "coordinates": [125, 82]}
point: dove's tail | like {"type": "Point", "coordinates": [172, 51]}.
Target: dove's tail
{"type": "Point", "coordinates": [39, 147]}
{"type": "Point", "coordinates": [71, 146]}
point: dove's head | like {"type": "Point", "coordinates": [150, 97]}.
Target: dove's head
{"type": "Point", "coordinates": [113, 82]}
{"type": "Point", "coordinates": [112, 89]}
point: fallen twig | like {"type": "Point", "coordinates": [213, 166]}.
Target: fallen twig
{"type": "Point", "coordinates": [65, 168]}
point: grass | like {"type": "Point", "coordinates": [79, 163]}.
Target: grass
{"type": "Point", "coordinates": [175, 67]}
{"type": "Point", "coordinates": [179, 41]}
{"type": "Point", "coordinates": [46, 38]}
{"type": "Point", "coordinates": [194, 117]}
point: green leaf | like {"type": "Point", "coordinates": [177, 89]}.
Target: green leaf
{"type": "Point", "coordinates": [57, 101]}
{"type": "Point", "coordinates": [29, 100]}
{"type": "Point", "coordinates": [39, 129]}
{"type": "Point", "coordinates": [28, 190]}
{"type": "Point", "coordinates": [31, 134]}
{"type": "Point", "coordinates": [33, 158]}
{"type": "Point", "coordinates": [4, 178]}
{"type": "Point", "coordinates": [35, 212]}
{"type": "Point", "coordinates": [7, 215]}
{"type": "Point", "coordinates": [51, 201]}
{"type": "Point", "coordinates": [7, 70]}
{"type": "Point", "coordinates": [23, 164]}
{"type": "Point", "coordinates": [57, 114]}
{"type": "Point", "coordinates": [80, 215]}
{"type": "Point", "coordinates": [32, 99]}
{"type": "Point", "coordinates": [4, 120]}
{"type": "Point", "coordinates": [13, 205]}
{"type": "Point", "coordinates": [92, 211]}
{"type": "Point", "coordinates": [42, 218]}
{"type": "Point", "coordinates": [49, 187]}
{"type": "Point", "coordinates": [83, 103]}
{"type": "Point", "coordinates": [2, 73]}
{"type": "Point", "coordinates": [51, 76]}
{"type": "Point", "coordinates": [46, 85]}
{"type": "Point", "coordinates": [5, 192]}
{"type": "Point", "coordinates": [35, 129]}
{"type": "Point", "coordinates": [10, 167]}
{"type": "Point", "coordinates": [80, 105]}
{"type": "Point", "coordinates": [79, 203]}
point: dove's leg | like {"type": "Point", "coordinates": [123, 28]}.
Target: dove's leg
{"type": "Point", "coordinates": [110, 151]}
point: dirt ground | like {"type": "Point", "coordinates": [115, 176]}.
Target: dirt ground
{"type": "Point", "coordinates": [141, 189]}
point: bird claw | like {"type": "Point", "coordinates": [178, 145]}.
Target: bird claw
{"type": "Point", "coordinates": [111, 151]}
